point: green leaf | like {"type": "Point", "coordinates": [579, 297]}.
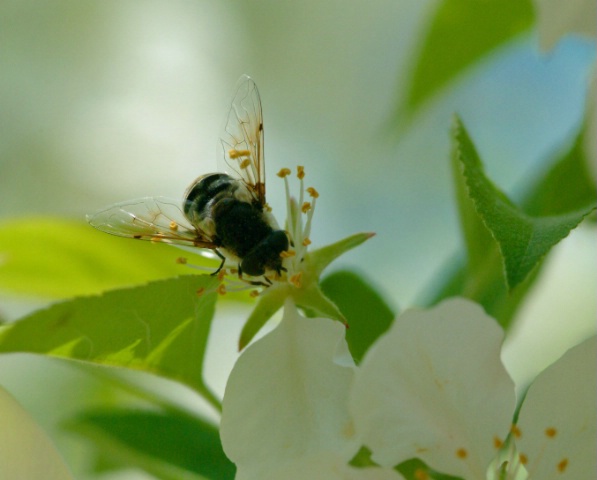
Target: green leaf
{"type": "Point", "coordinates": [367, 313]}
{"type": "Point", "coordinates": [161, 327]}
{"type": "Point", "coordinates": [150, 439]}
{"type": "Point", "coordinates": [566, 186]}
{"type": "Point", "coordinates": [523, 240]}
{"type": "Point", "coordinates": [57, 258]}
{"type": "Point", "coordinates": [460, 34]}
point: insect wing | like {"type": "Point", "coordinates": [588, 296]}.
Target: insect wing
{"type": "Point", "coordinates": [157, 219]}
{"type": "Point", "coordinates": [242, 139]}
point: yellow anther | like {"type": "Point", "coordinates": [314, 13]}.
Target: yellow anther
{"type": "Point", "coordinates": [284, 172]}
{"type": "Point", "coordinates": [461, 453]}
{"type": "Point", "coordinates": [305, 207]}
{"type": "Point", "coordinates": [234, 153]}
{"type": "Point", "coordinates": [200, 291]}
{"type": "Point", "coordinates": [254, 293]}
{"type": "Point", "coordinates": [245, 163]}
{"type": "Point", "coordinates": [523, 459]}
{"type": "Point", "coordinates": [181, 260]}
{"type": "Point", "coordinates": [421, 474]}
{"type": "Point", "coordinates": [288, 254]}
{"type": "Point", "coordinates": [515, 431]}
{"type": "Point", "coordinates": [306, 242]}
{"type": "Point", "coordinates": [300, 172]}
{"type": "Point", "coordinates": [221, 274]}
{"type": "Point", "coordinates": [221, 289]}
{"type": "Point", "coordinates": [314, 193]}
{"type": "Point", "coordinates": [296, 279]}
{"type": "Point", "coordinates": [497, 443]}
{"type": "Point", "coordinates": [562, 465]}
{"type": "Point", "coordinates": [551, 432]}
{"type": "Point", "coordinates": [173, 226]}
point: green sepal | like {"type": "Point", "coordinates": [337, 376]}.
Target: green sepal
{"type": "Point", "coordinates": [319, 259]}
{"type": "Point", "coordinates": [270, 301]}
{"type": "Point", "coordinates": [307, 295]}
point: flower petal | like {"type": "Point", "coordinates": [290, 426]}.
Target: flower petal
{"type": "Point", "coordinates": [286, 397]}
{"type": "Point", "coordinates": [434, 387]}
{"type": "Point", "coordinates": [558, 419]}
{"type": "Point", "coordinates": [25, 450]}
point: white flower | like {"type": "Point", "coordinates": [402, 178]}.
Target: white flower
{"type": "Point", "coordinates": [557, 424]}
{"type": "Point", "coordinates": [433, 387]}
{"type": "Point", "coordinates": [286, 398]}
{"type": "Point", "coordinates": [25, 450]}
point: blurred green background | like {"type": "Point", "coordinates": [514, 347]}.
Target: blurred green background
{"type": "Point", "coordinates": [107, 101]}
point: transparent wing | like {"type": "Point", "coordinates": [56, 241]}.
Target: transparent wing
{"type": "Point", "coordinates": [157, 219]}
{"type": "Point", "coordinates": [242, 139]}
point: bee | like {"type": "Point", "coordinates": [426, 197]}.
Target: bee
{"type": "Point", "coordinates": [225, 212]}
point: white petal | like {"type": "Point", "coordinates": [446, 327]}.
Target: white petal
{"type": "Point", "coordinates": [558, 419]}
{"type": "Point", "coordinates": [286, 397]}
{"type": "Point", "coordinates": [330, 467]}
{"type": "Point", "coordinates": [434, 387]}
{"type": "Point", "coordinates": [25, 450]}
{"type": "Point", "coordinates": [556, 18]}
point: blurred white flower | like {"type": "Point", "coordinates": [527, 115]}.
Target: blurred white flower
{"type": "Point", "coordinates": [25, 450]}
{"type": "Point", "coordinates": [433, 387]}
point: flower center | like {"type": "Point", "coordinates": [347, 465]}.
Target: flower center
{"type": "Point", "coordinates": [297, 227]}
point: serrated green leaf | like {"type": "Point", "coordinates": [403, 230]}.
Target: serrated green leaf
{"type": "Point", "coordinates": [57, 258]}
{"type": "Point", "coordinates": [143, 438]}
{"type": "Point", "coordinates": [461, 33]}
{"type": "Point", "coordinates": [564, 187]}
{"type": "Point", "coordinates": [161, 327]}
{"type": "Point", "coordinates": [367, 313]}
{"type": "Point", "coordinates": [523, 240]}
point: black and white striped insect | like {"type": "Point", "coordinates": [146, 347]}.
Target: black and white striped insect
{"type": "Point", "coordinates": [225, 212]}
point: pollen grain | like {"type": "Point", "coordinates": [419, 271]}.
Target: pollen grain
{"type": "Point", "coordinates": [461, 453]}
{"type": "Point", "coordinates": [551, 432]}
{"type": "Point", "coordinates": [562, 465]}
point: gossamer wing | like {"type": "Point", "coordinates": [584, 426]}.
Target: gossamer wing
{"type": "Point", "coordinates": [224, 212]}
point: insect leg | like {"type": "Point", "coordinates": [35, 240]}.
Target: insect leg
{"type": "Point", "coordinates": [223, 258]}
